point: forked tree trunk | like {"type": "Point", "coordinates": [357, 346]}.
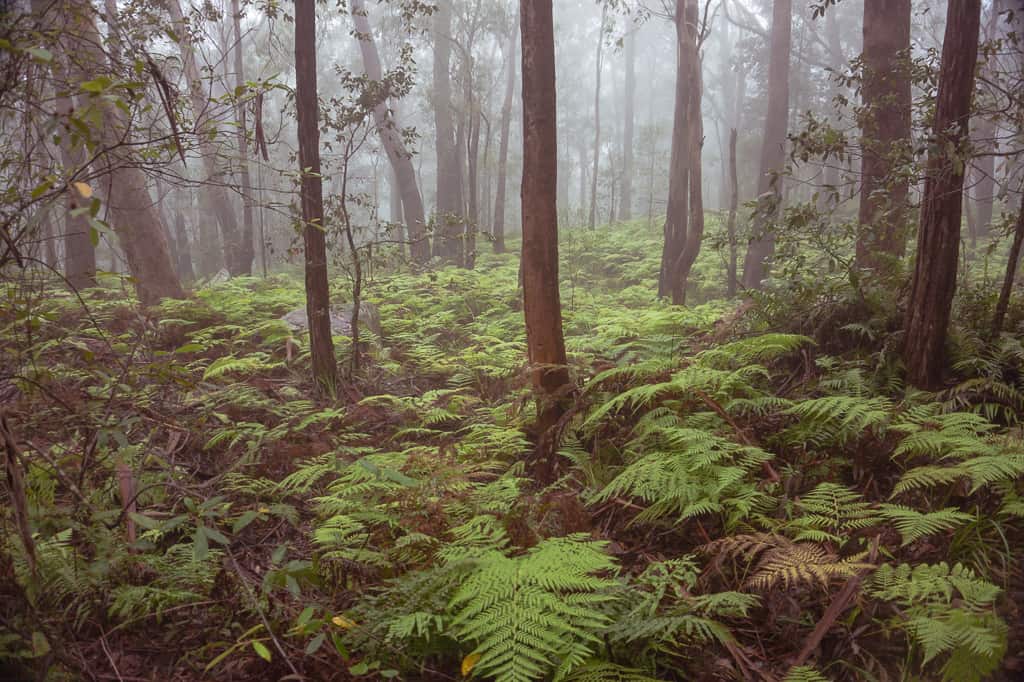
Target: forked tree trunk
{"type": "Point", "coordinates": [214, 187]}
{"type": "Point", "coordinates": [130, 207]}
{"type": "Point", "coordinates": [592, 220]}
{"type": "Point", "coordinates": [391, 138]}
{"type": "Point", "coordinates": [773, 149]}
{"type": "Point", "coordinates": [449, 219]}
{"type": "Point", "coordinates": [247, 248]}
{"type": "Point", "coordinates": [626, 200]}
{"type": "Point", "coordinates": [938, 239]}
{"type": "Point", "coordinates": [885, 133]}
{"type": "Point", "coordinates": [541, 304]}
{"type": "Point", "coordinates": [307, 108]}
{"type": "Point", "coordinates": [498, 229]}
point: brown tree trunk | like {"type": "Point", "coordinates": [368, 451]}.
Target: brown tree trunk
{"type": "Point", "coordinates": [684, 219]}
{"type": "Point", "coordinates": [247, 248]}
{"type": "Point", "coordinates": [730, 225]}
{"type": "Point", "coordinates": [79, 251]}
{"type": "Point", "coordinates": [214, 189]}
{"type": "Point", "coordinates": [885, 133]}
{"type": "Point", "coordinates": [626, 197]}
{"type": "Point", "coordinates": [938, 239]}
{"type": "Point", "coordinates": [498, 229]}
{"type": "Point", "coordinates": [307, 108]}
{"type": "Point", "coordinates": [391, 138]}
{"type": "Point", "coordinates": [184, 250]}
{"type": "Point", "coordinates": [592, 220]}
{"type": "Point", "coordinates": [129, 205]}
{"type": "Point", "coordinates": [542, 308]}
{"type": "Point", "coordinates": [773, 149]}
{"type": "Point", "coordinates": [1011, 272]}
{"type": "Point", "coordinates": [472, 161]}
{"type": "Point", "coordinates": [450, 221]}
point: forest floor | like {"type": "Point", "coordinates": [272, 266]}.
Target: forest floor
{"type": "Point", "coordinates": [743, 491]}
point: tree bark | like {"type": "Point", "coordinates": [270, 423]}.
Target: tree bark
{"type": "Point", "coordinates": [626, 200]}
{"type": "Point", "coordinates": [885, 133]}
{"type": "Point", "coordinates": [450, 221]}
{"type": "Point", "coordinates": [984, 133]}
{"type": "Point", "coordinates": [773, 149]}
{"type": "Point", "coordinates": [730, 225]}
{"type": "Point", "coordinates": [938, 239]}
{"type": "Point", "coordinates": [391, 138]}
{"type": "Point", "coordinates": [1011, 273]}
{"type": "Point", "coordinates": [541, 303]}
{"type": "Point", "coordinates": [247, 249]}
{"type": "Point", "coordinates": [307, 108]}
{"type": "Point", "coordinates": [184, 250]}
{"type": "Point", "coordinates": [472, 160]}
{"type": "Point", "coordinates": [498, 229]}
{"type": "Point", "coordinates": [79, 251]}
{"type": "Point", "coordinates": [214, 189]}
{"type": "Point", "coordinates": [684, 218]}
{"type": "Point", "coordinates": [592, 220]}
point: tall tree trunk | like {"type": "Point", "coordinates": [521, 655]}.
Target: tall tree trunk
{"type": "Point", "coordinates": [592, 220]}
{"type": "Point", "coordinates": [1011, 272]}
{"type": "Point", "coordinates": [214, 189]}
{"type": "Point", "coordinates": [307, 108]}
{"type": "Point", "coordinates": [472, 160]}
{"type": "Point", "coordinates": [773, 149]}
{"type": "Point", "coordinates": [626, 200]}
{"type": "Point", "coordinates": [129, 205]}
{"type": "Point", "coordinates": [184, 250]}
{"type": "Point", "coordinates": [730, 225]}
{"type": "Point", "coordinates": [541, 304]}
{"type": "Point", "coordinates": [684, 219]}
{"type": "Point", "coordinates": [498, 229]}
{"type": "Point", "coordinates": [450, 221]}
{"type": "Point", "coordinates": [79, 251]}
{"type": "Point", "coordinates": [885, 133]}
{"type": "Point", "coordinates": [938, 239]}
{"type": "Point", "coordinates": [391, 138]}
{"type": "Point", "coordinates": [246, 247]}
{"type": "Point", "coordinates": [985, 133]}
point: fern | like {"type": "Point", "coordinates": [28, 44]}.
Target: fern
{"type": "Point", "coordinates": [914, 525]}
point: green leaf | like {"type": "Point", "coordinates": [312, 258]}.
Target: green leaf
{"type": "Point", "coordinates": [262, 650]}
{"type": "Point", "coordinates": [315, 644]}
{"type": "Point", "coordinates": [200, 547]}
{"type": "Point", "coordinates": [244, 520]}
{"type": "Point", "coordinates": [305, 616]}
{"type": "Point", "coordinates": [360, 668]}
{"type": "Point", "coordinates": [145, 521]}
{"type": "Point", "coordinates": [339, 646]}
{"type": "Point", "coordinates": [216, 535]}
{"type": "Point", "coordinates": [41, 54]}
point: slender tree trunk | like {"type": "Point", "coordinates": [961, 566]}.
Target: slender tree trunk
{"type": "Point", "coordinates": [498, 230]}
{"type": "Point", "coordinates": [583, 176]}
{"type": "Point", "coordinates": [79, 251]}
{"type": "Point", "coordinates": [592, 220]}
{"type": "Point", "coordinates": [543, 312]}
{"type": "Point", "coordinates": [391, 138]}
{"type": "Point", "coordinates": [626, 200]}
{"type": "Point", "coordinates": [730, 225]}
{"type": "Point", "coordinates": [214, 189]}
{"type": "Point", "coordinates": [985, 135]}
{"type": "Point", "coordinates": [773, 149]}
{"type": "Point", "coordinates": [472, 161]}
{"type": "Point", "coordinates": [246, 247]}
{"type": "Point", "coordinates": [450, 220]}
{"type": "Point", "coordinates": [1011, 272]}
{"type": "Point", "coordinates": [307, 107]}
{"type": "Point", "coordinates": [938, 239]}
{"type": "Point", "coordinates": [885, 132]}
{"type": "Point", "coordinates": [184, 250]}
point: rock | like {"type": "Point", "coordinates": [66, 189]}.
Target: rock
{"type": "Point", "coordinates": [221, 277]}
{"type": "Point", "coordinates": [341, 320]}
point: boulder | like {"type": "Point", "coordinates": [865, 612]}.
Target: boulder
{"type": "Point", "coordinates": [341, 319]}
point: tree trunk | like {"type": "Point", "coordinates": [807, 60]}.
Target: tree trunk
{"type": "Point", "coordinates": [498, 230]}
{"type": "Point", "coordinates": [247, 249]}
{"type": "Point", "coordinates": [626, 197]}
{"type": "Point", "coordinates": [938, 239]}
{"type": "Point", "coordinates": [449, 219]}
{"type": "Point", "coordinates": [307, 108]}
{"type": "Point", "coordinates": [773, 149]}
{"type": "Point", "coordinates": [542, 308]}
{"type": "Point", "coordinates": [214, 189]}
{"type": "Point", "coordinates": [730, 226]}
{"type": "Point", "coordinates": [885, 133]}
{"type": "Point", "coordinates": [472, 160]}
{"type": "Point", "coordinates": [684, 219]}
{"type": "Point", "coordinates": [184, 250]}
{"type": "Point", "coordinates": [79, 251]}
{"type": "Point", "coordinates": [1011, 272]}
{"type": "Point", "coordinates": [391, 138]}
{"type": "Point", "coordinates": [985, 136]}
{"type": "Point", "coordinates": [592, 220]}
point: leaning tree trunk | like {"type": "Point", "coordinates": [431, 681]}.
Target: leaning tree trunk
{"type": "Point", "coordinates": [498, 226]}
{"type": "Point", "coordinates": [885, 133]}
{"type": "Point", "coordinates": [214, 189]}
{"type": "Point", "coordinates": [307, 109]}
{"type": "Point", "coordinates": [247, 248]}
{"type": "Point", "coordinates": [773, 149]}
{"type": "Point", "coordinates": [450, 221]}
{"type": "Point", "coordinates": [1011, 272]}
{"type": "Point", "coordinates": [129, 205]}
{"type": "Point", "coordinates": [626, 200]}
{"type": "Point", "coordinates": [391, 138]}
{"type": "Point", "coordinates": [938, 239]}
{"type": "Point", "coordinates": [592, 220]}
{"type": "Point", "coordinates": [541, 304]}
